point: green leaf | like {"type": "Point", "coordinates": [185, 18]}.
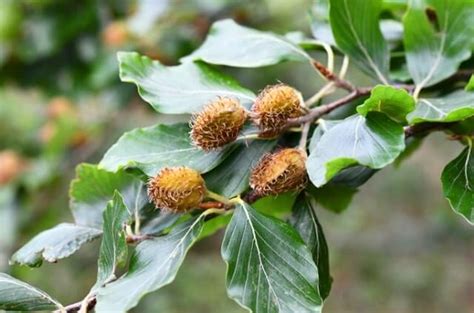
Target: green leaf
{"type": "Point", "coordinates": [305, 221]}
{"type": "Point", "coordinates": [434, 49]}
{"type": "Point", "coordinates": [278, 206]}
{"type": "Point", "coordinates": [353, 177]}
{"type": "Point", "coordinates": [323, 127]}
{"type": "Point", "coordinates": [185, 88]}
{"type": "Point", "coordinates": [54, 244]}
{"type": "Point", "coordinates": [152, 148]}
{"type": "Point", "coordinates": [214, 224]}
{"type": "Point", "coordinates": [458, 184]}
{"type": "Point", "coordinates": [231, 177]}
{"type": "Point", "coordinates": [159, 223]}
{"type": "Point", "coordinates": [464, 127]}
{"type": "Point", "coordinates": [269, 268]}
{"type": "Point", "coordinates": [454, 107]}
{"type": "Point", "coordinates": [470, 84]}
{"type": "Point", "coordinates": [392, 30]}
{"type": "Point", "coordinates": [113, 250]}
{"type": "Point", "coordinates": [233, 45]}
{"type": "Point", "coordinates": [374, 141]}
{"type": "Point", "coordinates": [355, 25]}
{"type": "Point", "coordinates": [94, 187]}
{"type": "Point", "coordinates": [153, 265]}
{"type": "Point", "coordinates": [16, 295]}
{"type": "Point", "coordinates": [333, 197]}
{"type": "Point", "coordinates": [395, 103]}
{"type": "Point", "coordinates": [319, 17]}
{"type": "Point", "coordinates": [395, 4]}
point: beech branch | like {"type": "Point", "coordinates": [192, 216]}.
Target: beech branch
{"type": "Point", "coordinates": [322, 110]}
{"type": "Point", "coordinates": [136, 238]}
{"type": "Point", "coordinates": [318, 112]}
{"type": "Point", "coordinates": [410, 131]}
{"type": "Point", "coordinates": [424, 128]}
{"type": "Point", "coordinates": [75, 307]}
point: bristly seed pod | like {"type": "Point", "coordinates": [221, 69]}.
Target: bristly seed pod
{"type": "Point", "coordinates": [274, 106]}
{"type": "Point", "coordinates": [218, 124]}
{"type": "Point", "coordinates": [177, 189]}
{"type": "Point", "coordinates": [279, 172]}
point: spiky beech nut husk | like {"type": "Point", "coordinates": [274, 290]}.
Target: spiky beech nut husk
{"type": "Point", "coordinates": [274, 106]}
{"type": "Point", "coordinates": [279, 172]}
{"type": "Point", "coordinates": [218, 124]}
{"type": "Point", "coordinates": [177, 189]}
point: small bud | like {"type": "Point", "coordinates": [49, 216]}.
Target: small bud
{"type": "Point", "coordinates": [274, 106]}
{"type": "Point", "coordinates": [279, 172]}
{"type": "Point", "coordinates": [218, 124]}
{"type": "Point", "coordinates": [177, 189]}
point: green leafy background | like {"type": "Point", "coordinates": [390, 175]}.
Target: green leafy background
{"type": "Point", "coordinates": [375, 265]}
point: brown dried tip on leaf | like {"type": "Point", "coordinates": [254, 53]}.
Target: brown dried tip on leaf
{"type": "Point", "coordinates": [218, 124]}
{"type": "Point", "coordinates": [274, 106]}
{"type": "Point", "coordinates": [279, 172]}
{"type": "Point", "coordinates": [177, 189]}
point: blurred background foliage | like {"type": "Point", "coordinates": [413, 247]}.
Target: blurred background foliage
{"type": "Point", "coordinates": [397, 248]}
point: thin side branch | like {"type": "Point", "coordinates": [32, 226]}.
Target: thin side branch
{"type": "Point", "coordinates": [75, 307]}
{"type": "Point", "coordinates": [317, 112]}
{"type": "Point", "coordinates": [424, 128]}
{"type": "Point", "coordinates": [211, 204]}
{"type": "Point", "coordinates": [304, 136]}
{"type": "Point", "coordinates": [414, 130]}
{"type": "Point", "coordinates": [331, 76]}
{"type": "Point", "coordinates": [134, 238]}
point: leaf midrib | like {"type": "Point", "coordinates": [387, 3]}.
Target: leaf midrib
{"type": "Point", "coordinates": [432, 106]}
{"type": "Point", "coordinates": [440, 51]}
{"type": "Point", "coordinates": [279, 40]}
{"type": "Point", "coordinates": [362, 47]}
{"type": "Point", "coordinates": [260, 261]}
{"type": "Point", "coordinates": [151, 154]}
{"type": "Point", "coordinates": [197, 91]}
{"type": "Point", "coordinates": [32, 289]}
{"type": "Point", "coordinates": [172, 254]}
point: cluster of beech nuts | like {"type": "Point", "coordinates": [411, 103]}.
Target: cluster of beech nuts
{"type": "Point", "coordinates": [180, 189]}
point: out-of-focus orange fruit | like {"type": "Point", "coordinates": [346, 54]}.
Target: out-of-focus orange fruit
{"type": "Point", "coordinates": [11, 165]}
{"type": "Point", "coordinates": [115, 34]}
